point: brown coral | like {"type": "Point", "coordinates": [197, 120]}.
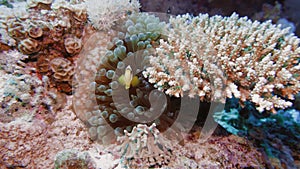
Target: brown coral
{"type": "Point", "coordinates": [62, 69]}
{"type": "Point", "coordinates": [35, 32]}
{"type": "Point", "coordinates": [73, 45]}
{"type": "Point", "coordinates": [16, 29]}
{"type": "Point", "coordinates": [39, 4]}
{"type": "Point", "coordinates": [43, 60]}
{"type": "Point", "coordinates": [29, 46]}
{"type": "Point", "coordinates": [4, 47]}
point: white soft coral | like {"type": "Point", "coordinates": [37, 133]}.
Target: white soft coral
{"type": "Point", "coordinates": [103, 13]}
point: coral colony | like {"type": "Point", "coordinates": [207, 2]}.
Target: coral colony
{"type": "Point", "coordinates": [127, 72]}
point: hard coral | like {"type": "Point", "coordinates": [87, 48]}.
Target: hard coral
{"type": "Point", "coordinates": [22, 93]}
{"type": "Point", "coordinates": [206, 56]}
{"type": "Point", "coordinates": [43, 4]}
{"type": "Point", "coordinates": [73, 45]}
{"type": "Point", "coordinates": [62, 73]}
{"type": "Point", "coordinates": [29, 46]}
{"type": "Point", "coordinates": [224, 152]}
{"type": "Point", "coordinates": [35, 144]}
{"type": "Point", "coordinates": [62, 68]}
{"type": "Point", "coordinates": [16, 29]}
{"type": "Point", "coordinates": [20, 143]}
{"type": "Point", "coordinates": [35, 32]}
{"type": "Point", "coordinates": [43, 61]}
{"type": "Point", "coordinates": [267, 132]}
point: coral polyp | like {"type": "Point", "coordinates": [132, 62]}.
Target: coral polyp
{"type": "Point", "coordinates": [73, 45]}
{"type": "Point", "coordinates": [35, 32]}
{"type": "Point", "coordinates": [29, 46]}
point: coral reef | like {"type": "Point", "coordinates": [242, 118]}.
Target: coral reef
{"type": "Point", "coordinates": [144, 146]}
{"type": "Point", "coordinates": [22, 143]}
{"type": "Point", "coordinates": [78, 75]}
{"type": "Point", "coordinates": [63, 71]}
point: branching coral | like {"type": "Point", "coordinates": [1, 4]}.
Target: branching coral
{"type": "Point", "coordinates": [209, 57]}
{"type": "Point", "coordinates": [260, 61]}
{"type": "Point", "coordinates": [117, 76]}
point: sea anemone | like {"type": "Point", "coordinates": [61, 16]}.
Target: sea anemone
{"type": "Point", "coordinates": [124, 97]}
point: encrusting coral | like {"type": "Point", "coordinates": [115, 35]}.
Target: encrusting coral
{"type": "Point", "coordinates": [219, 152]}
{"type": "Point", "coordinates": [35, 143]}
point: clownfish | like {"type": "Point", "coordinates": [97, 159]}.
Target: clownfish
{"type": "Point", "coordinates": [127, 79]}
